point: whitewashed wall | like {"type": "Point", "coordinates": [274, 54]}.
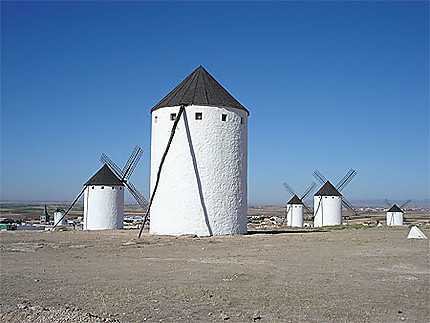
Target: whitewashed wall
{"type": "Point", "coordinates": [394, 218]}
{"type": "Point", "coordinates": [203, 186]}
{"type": "Point", "coordinates": [295, 215]}
{"type": "Point", "coordinates": [328, 210]}
{"type": "Point", "coordinates": [58, 216]}
{"type": "Point", "coordinates": [103, 207]}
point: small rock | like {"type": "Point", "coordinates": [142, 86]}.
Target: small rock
{"type": "Point", "coordinates": [21, 306]}
{"type": "Point", "coordinates": [225, 317]}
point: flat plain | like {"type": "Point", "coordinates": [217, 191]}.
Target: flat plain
{"type": "Point", "coordinates": [371, 274]}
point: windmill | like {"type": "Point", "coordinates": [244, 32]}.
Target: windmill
{"type": "Point", "coordinates": [198, 182]}
{"type": "Point", "coordinates": [294, 215]}
{"type": "Point", "coordinates": [104, 194]}
{"type": "Point", "coordinates": [328, 200]}
{"type": "Point", "coordinates": [395, 213]}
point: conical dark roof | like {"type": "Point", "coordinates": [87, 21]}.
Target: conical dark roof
{"type": "Point", "coordinates": [104, 177]}
{"type": "Point", "coordinates": [295, 200]}
{"type": "Point", "coordinates": [199, 88]}
{"type": "Point", "coordinates": [328, 190]}
{"type": "Point", "coordinates": [395, 208]}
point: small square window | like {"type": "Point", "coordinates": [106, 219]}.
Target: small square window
{"type": "Point", "coordinates": [241, 120]}
{"type": "Point", "coordinates": [102, 187]}
{"type": "Point", "coordinates": [199, 116]}
{"type": "Point", "coordinates": [173, 116]}
{"type": "Point", "coordinates": [92, 187]}
{"type": "Point", "coordinates": [223, 117]}
{"type": "Point", "coordinates": [155, 119]}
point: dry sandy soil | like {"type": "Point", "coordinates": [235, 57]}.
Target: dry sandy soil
{"type": "Point", "coordinates": [350, 275]}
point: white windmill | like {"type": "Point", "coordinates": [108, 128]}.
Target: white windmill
{"type": "Point", "coordinates": [104, 194]}
{"type": "Point", "coordinates": [295, 205]}
{"type": "Point", "coordinates": [395, 213]}
{"type": "Point", "coordinates": [328, 200]}
{"type": "Point", "coordinates": [198, 160]}
{"type": "Point", "coordinates": [59, 216]}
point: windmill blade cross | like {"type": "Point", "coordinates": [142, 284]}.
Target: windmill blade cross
{"type": "Point", "coordinates": [130, 159]}
{"type": "Point", "coordinates": [348, 173]}
{"type": "Point", "coordinates": [388, 202]}
{"type": "Point", "coordinates": [347, 180]}
{"type": "Point", "coordinates": [133, 164]}
{"type": "Point", "coordinates": [140, 199]}
{"type": "Point", "coordinates": [114, 167]}
{"type": "Point", "coordinates": [289, 189]}
{"type": "Point", "coordinates": [70, 207]}
{"type": "Point", "coordinates": [320, 177]}
{"type": "Point", "coordinates": [404, 204]}
{"type": "Point", "coordinates": [349, 206]}
{"type": "Point", "coordinates": [308, 191]}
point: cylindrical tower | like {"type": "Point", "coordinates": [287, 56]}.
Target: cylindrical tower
{"type": "Point", "coordinates": [327, 206]}
{"type": "Point", "coordinates": [58, 215]}
{"type": "Point", "coordinates": [295, 212]}
{"type": "Point", "coordinates": [395, 216]}
{"type": "Point", "coordinates": [103, 201]}
{"type": "Point", "coordinates": [203, 183]}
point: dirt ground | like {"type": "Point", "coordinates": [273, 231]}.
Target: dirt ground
{"type": "Point", "coordinates": [351, 275]}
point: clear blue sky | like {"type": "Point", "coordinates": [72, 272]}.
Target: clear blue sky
{"type": "Point", "coordinates": [330, 85]}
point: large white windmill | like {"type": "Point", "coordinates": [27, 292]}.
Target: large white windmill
{"type": "Point", "coordinates": [295, 205]}
{"type": "Point", "coordinates": [395, 214]}
{"type": "Point", "coordinates": [198, 160]}
{"type": "Point", "coordinates": [104, 194]}
{"type": "Point", "coordinates": [328, 200]}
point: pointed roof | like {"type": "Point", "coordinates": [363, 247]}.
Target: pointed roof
{"type": "Point", "coordinates": [295, 200]}
{"type": "Point", "coordinates": [395, 208]}
{"type": "Point", "coordinates": [104, 176]}
{"type": "Point", "coordinates": [328, 190]}
{"type": "Point", "coordinates": [199, 88]}
{"type": "Point", "coordinates": [416, 233]}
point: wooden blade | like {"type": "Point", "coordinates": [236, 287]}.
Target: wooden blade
{"type": "Point", "coordinates": [320, 177]}
{"type": "Point", "coordinates": [289, 189]}
{"type": "Point", "coordinates": [70, 207]}
{"type": "Point", "coordinates": [308, 191]}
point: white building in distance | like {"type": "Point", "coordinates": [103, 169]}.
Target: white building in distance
{"type": "Point", "coordinates": [394, 216]}
{"type": "Point", "coordinates": [59, 217]}
{"type": "Point", "coordinates": [203, 183]}
{"type": "Point", "coordinates": [295, 212]}
{"type": "Point", "coordinates": [103, 201]}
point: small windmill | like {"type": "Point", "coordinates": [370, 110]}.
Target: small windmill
{"type": "Point", "coordinates": [328, 200]}
{"type": "Point", "coordinates": [104, 196]}
{"type": "Point", "coordinates": [395, 213]}
{"type": "Point", "coordinates": [294, 215]}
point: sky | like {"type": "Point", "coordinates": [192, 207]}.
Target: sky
{"type": "Point", "coordinates": [330, 86]}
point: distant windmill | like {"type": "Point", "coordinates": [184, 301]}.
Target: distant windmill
{"type": "Point", "coordinates": [45, 216]}
{"type": "Point", "coordinates": [395, 213]}
{"type": "Point", "coordinates": [104, 194]}
{"type": "Point", "coordinates": [294, 215]}
{"type": "Point", "coordinates": [328, 200]}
